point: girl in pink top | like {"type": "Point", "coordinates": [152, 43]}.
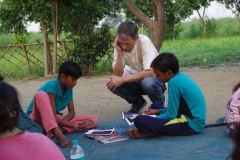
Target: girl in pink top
{"type": "Point", "coordinates": [15, 144]}
{"type": "Point", "coordinates": [232, 117]}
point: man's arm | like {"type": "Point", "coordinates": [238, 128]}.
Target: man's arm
{"type": "Point", "coordinates": [116, 81]}
{"type": "Point", "coordinates": [138, 76]}
{"type": "Point", "coordinates": [118, 66]}
{"type": "Point", "coordinates": [118, 58]}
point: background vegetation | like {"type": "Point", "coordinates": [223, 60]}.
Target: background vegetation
{"type": "Point", "coordinates": [220, 47]}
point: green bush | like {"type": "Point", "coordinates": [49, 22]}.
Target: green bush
{"type": "Point", "coordinates": [20, 39]}
{"type": "Point", "coordinates": [193, 32]}
{"type": "Point", "coordinates": [91, 46]}
{"type": "Point", "coordinates": [211, 26]}
{"type": "Point", "coordinates": [6, 39]}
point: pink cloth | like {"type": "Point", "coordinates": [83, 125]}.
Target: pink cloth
{"type": "Point", "coordinates": [29, 146]}
{"type": "Point", "coordinates": [42, 114]}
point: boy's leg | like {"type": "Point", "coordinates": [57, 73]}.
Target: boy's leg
{"type": "Point", "coordinates": [154, 89]}
{"type": "Point", "coordinates": [157, 126]}
{"type": "Point", "coordinates": [80, 119]}
{"type": "Point", "coordinates": [42, 114]}
{"type": "Point", "coordinates": [132, 93]}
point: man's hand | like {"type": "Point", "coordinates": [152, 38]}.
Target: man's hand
{"type": "Point", "coordinates": [117, 46]}
{"type": "Point", "coordinates": [114, 82]}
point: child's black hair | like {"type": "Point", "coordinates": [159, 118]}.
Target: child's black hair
{"type": "Point", "coordinates": [9, 107]}
{"type": "Point", "coordinates": [70, 68]}
{"type": "Point", "coordinates": [166, 61]}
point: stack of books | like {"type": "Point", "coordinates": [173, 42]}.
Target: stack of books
{"type": "Point", "coordinates": [105, 135]}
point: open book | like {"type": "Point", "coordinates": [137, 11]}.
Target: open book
{"type": "Point", "coordinates": [100, 131]}
{"type": "Point", "coordinates": [106, 135]}
{"type": "Point", "coordinates": [129, 117]}
{"type": "Point", "coordinates": [108, 138]}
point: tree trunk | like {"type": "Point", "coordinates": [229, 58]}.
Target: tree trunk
{"type": "Point", "coordinates": [203, 22]}
{"type": "Point", "coordinates": [173, 33]}
{"type": "Point", "coordinates": [47, 52]}
{"type": "Point", "coordinates": [156, 26]}
{"type": "Point", "coordinates": [53, 4]}
{"type": "Point", "coordinates": [237, 21]}
{"type": "Point", "coordinates": [59, 39]}
{"type": "Point", "coordinates": [89, 70]}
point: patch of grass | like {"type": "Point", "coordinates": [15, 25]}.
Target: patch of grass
{"type": "Point", "coordinates": [103, 67]}
{"type": "Point", "coordinates": [204, 52]}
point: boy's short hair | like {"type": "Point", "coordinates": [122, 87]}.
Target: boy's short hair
{"type": "Point", "coordinates": [127, 28]}
{"type": "Point", "coordinates": [166, 61]}
{"type": "Point", "coordinates": [70, 68]}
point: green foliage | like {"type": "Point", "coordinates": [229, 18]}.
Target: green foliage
{"type": "Point", "coordinates": [103, 66]}
{"type": "Point", "coordinates": [12, 17]}
{"type": "Point", "coordinates": [211, 26]}
{"type": "Point", "coordinates": [20, 39]}
{"type": "Point", "coordinates": [91, 46]}
{"type": "Point", "coordinates": [173, 32]}
{"type": "Point", "coordinates": [193, 32]}
{"type": "Point", "coordinates": [205, 52]}
{"type": "Point", "coordinates": [223, 27]}
{"type": "Point", "coordinates": [6, 39]}
{"type": "Point", "coordinates": [175, 12]}
{"type": "Point", "coordinates": [227, 27]}
{"type": "Point", "coordinates": [91, 43]}
{"type": "Point", "coordinates": [197, 4]}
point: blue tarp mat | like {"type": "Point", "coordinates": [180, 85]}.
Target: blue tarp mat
{"type": "Point", "coordinates": [213, 143]}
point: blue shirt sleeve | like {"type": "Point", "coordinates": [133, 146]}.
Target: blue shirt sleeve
{"type": "Point", "coordinates": [171, 111]}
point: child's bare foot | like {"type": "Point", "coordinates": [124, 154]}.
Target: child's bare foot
{"type": "Point", "coordinates": [62, 140]}
{"type": "Point", "coordinates": [135, 133]}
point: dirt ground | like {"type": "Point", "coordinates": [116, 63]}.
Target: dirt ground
{"type": "Point", "coordinates": [91, 96]}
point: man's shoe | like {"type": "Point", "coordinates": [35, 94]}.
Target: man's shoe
{"type": "Point", "coordinates": [136, 107]}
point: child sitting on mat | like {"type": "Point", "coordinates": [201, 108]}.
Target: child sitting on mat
{"type": "Point", "coordinates": [186, 110]}
{"type": "Point", "coordinates": [14, 143]}
{"type": "Point", "coordinates": [232, 117]}
{"type": "Point", "coordinates": [54, 96]}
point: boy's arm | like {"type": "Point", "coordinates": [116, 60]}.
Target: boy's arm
{"type": "Point", "coordinates": [71, 112]}
{"type": "Point", "coordinates": [61, 122]}
{"type": "Point", "coordinates": [174, 95]}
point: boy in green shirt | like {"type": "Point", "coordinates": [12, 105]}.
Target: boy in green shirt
{"type": "Point", "coordinates": [186, 110]}
{"type": "Point", "coordinates": [54, 96]}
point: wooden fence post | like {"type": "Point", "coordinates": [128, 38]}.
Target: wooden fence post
{"type": "Point", "coordinates": [25, 52]}
{"type": "Point", "coordinates": [65, 48]}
